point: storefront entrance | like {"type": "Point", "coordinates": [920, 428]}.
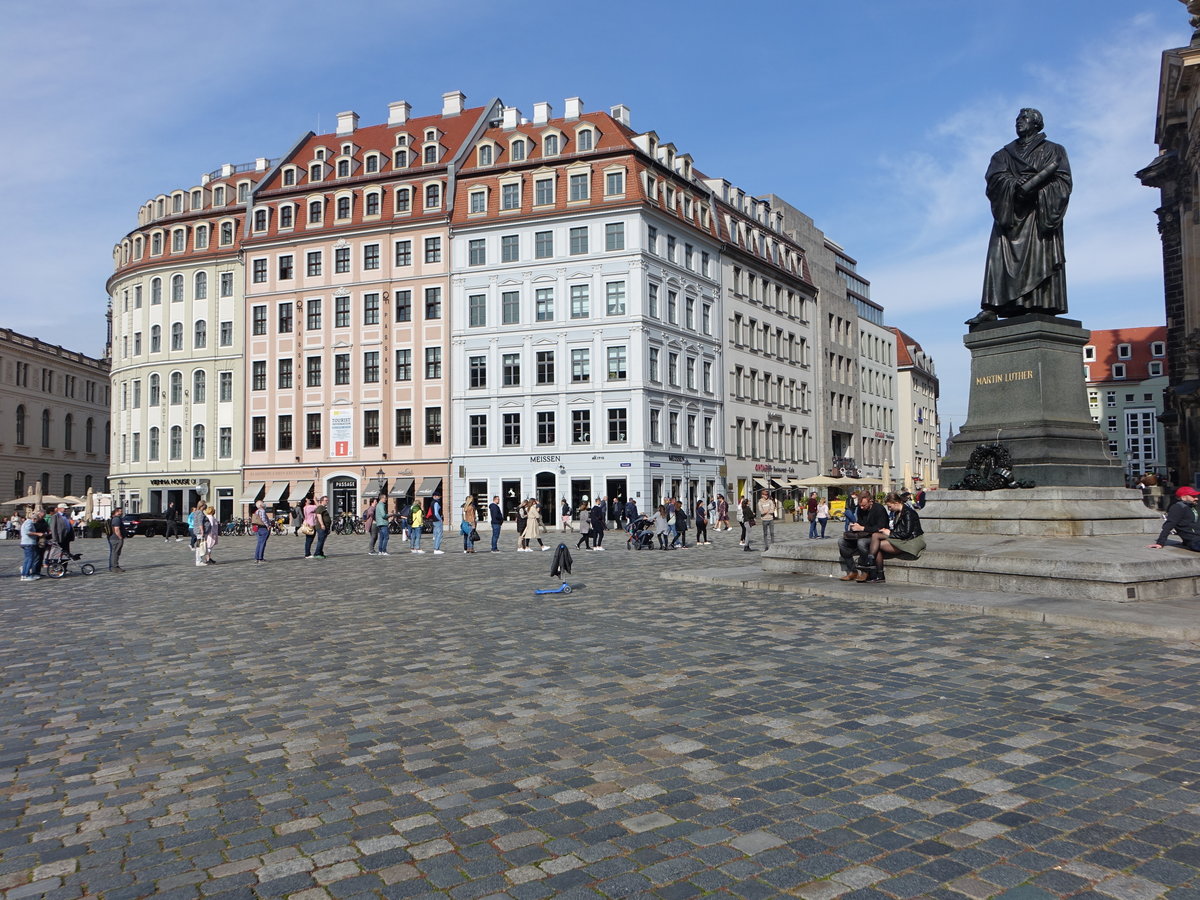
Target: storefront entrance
{"type": "Point", "coordinates": [343, 494]}
{"type": "Point", "coordinates": [546, 486]}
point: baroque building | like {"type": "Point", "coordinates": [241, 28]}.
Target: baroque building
{"type": "Point", "coordinates": [918, 436]}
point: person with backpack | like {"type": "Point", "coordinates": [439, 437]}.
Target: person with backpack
{"type": "Point", "coordinates": [323, 522]}
{"type": "Point", "coordinates": [416, 517]}
{"type": "Point", "coordinates": [262, 523]}
{"type": "Point", "coordinates": [439, 524]}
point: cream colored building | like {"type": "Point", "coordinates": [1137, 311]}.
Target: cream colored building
{"type": "Point", "coordinates": [918, 446]}
{"type": "Point", "coordinates": [53, 419]}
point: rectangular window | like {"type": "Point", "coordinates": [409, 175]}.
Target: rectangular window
{"type": "Point", "coordinates": [312, 262]}
{"type": "Point", "coordinates": [510, 248]}
{"type": "Point", "coordinates": [341, 368]}
{"type": "Point", "coordinates": [614, 236]}
{"type": "Point", "coordinates": [258, 375]}
{"type": "Point", "coordinates": [476, 310]}
{"type": "Point", "coordinates": [689, 313]}
{"type": "Point", "coordinates": [341, 312]}
{"type": "Point", "coordinates": [673, 428]}
{"type": "Point", "coordinates": [688, 254]}
{"type": "Point", "coordinates": [313, 371]}
{"type": "Point", "coordinates": [404, 428]}
{"type": "Point", "coordinates": [371, 367]}
{"type": "Point", "coordinates": [433, 362]}
{"type": "Point", "coordinates": [371, 256]}
{"type": "Point", "coordinates": [545, 427]}
{"type": "Point", "coordinates": [433, 303]}
{"type": "Point", "coordinates": [312, 318]}
{"type": "Point", "coordinates": [545, 367]}
{"type": "Point", "coordinates": [258, 320]}
{"type": "Point", "coordinates": [477, 430]}
{"type": "Point", "coordinates": [404, 253]}
{"type": "Point", "coordinates": [706, 319]}
{"type": "Point", "coordinates": [433, 250]}
{"type": "Point", "coordinates": [510, 365]}
{"type": "Point", "coordinates": [543, 244]}
{"type": "Point", "coordinates": [652, 300]}
{"type": "Point", "coordinates": [476, 254]}
{"type": "Point", "coordinates": [404, 364]}
{"type": "Point", "coordinates": [618, 427]}
{"type": "Point", "coordinates": [671, 247]}
{"type": "Point", "coordinates": [708, 433]}
{"type": "Point", "coordinates": [543, 191]}
{"type": "Point", "coordinates": [511, 430]}
{"type": "Point", "coordinates": [581, 426]}
{"type": "Point", "coordinates": [258, 433]}
{"type": "Point", "coordinates": [616, 364]}
{"type": "Point", "coordinates": [672, 307]}
{"type": "Point", "coordinates": [543, 305]}
{"type": "Point", "coordinates": [403, 306]}
{"type": "Point", "coordinates": [371, 428]}
{"type": "Point", "coordinates": [225, 442]}
{"type": "Point", "coordinates": [673, 369]}
{"type": "Point", "coordinates": [579, 240]}
{"type": "Point", "coordinates": [579, 186]}
{"type": "Point", "coordinates": [312, 431]}
{"type": "Point", "coordinates": [477, 202]}
{"type": "Point", "coordinates": [284, 377]}
{"type": "Point", "coordinates": [433, 425]}
{"type": "Point", "coordinates": [259, 271]}
{"type": "Point", "coordinates": [226, 284]}
{"type": "Point", "coordinates": [581, 366]}
{"type": "Point", "coordinates": [652, 239]}
{"type": "Point", "coordinates": [371, 308]}
{"type": "Point", "coordinates": [614, 293]}
{"type": "Point", "coordinates": [654, 364]}
{"type": "Point", "coordinates": [477, 372]}
{"type": "Point", "coordinates": [284, 433]}
{"type": "Point", "coordinates": [510, 307]}
{"type": "Point", "coordinates": [225, 387]}
{"type": "Point", "coordinates": [341, 260]}
{"type": "Point", "coordinates": [580, 301]}
{"type": "Point", "coordinates": [705, 263]}
{"type": "Point", "coordinates": [690, 378]}
{"type": "Point", "coordinates": [706, 383]}
{"type": "Point", "coordinates": [655, 426]}
{"type": "Point", "coordinates": [510, 196]}
{"type": "Point", "coordinates": [614, 183]}
{"type": "Point", "coordinates": [286, 311]}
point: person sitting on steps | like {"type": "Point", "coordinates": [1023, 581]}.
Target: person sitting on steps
{"type": "Point", "coordinates": [856, 539]}
{"type": "Point", "coordinates": [902, 538]}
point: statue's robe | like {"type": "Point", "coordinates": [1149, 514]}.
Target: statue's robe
{"type": "Point", "coordinates": [1025, 262]}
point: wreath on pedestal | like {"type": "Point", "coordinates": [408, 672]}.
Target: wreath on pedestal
{"type": "Point", "coordinates": [989, 469]}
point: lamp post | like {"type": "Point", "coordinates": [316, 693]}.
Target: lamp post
{"type": "Point", "coordinates": [687, 484]}
{"type": "Point", "coordinates": [380, 475]}
{"type": "Point", "coordinates": [121, 493]}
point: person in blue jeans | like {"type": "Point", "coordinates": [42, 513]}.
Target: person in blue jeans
{"type": "Point", "coordinates": [496, 520]}
{"type": "Point", "coordinates": [439, 524]}
{"type": "Point", "coordinates": [381, 524]}
{"type": "Point", "coordinates": [31, 529]}
{"type": "Point", "coordinates": [264, 531]}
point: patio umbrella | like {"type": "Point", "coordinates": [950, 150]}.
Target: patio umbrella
{"type": "Point", "coordinates": [71, 499]}
{"type": "Point", "coordinates": [27, 500]}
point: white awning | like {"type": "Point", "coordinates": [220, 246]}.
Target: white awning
{"type": "Point", "coordinates": [401, 487]}
{"type": "Point", "coordinates": [371, 489]}
{"type": "Point", "coordinates": [300, 491]}
{"type": "Point", "coordinates": [275, 492]}
{"type": "Point", "coordinates": [429, 484]}
{"type": "Point", "coordinates": [253, 489]}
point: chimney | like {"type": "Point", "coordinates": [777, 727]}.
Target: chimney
{"type": "Point", "coordinates": [260, 164]}
{"type": "Point", "coordinates": [572, 108]}
{"type": "Point", "coordinates": [620, 112]}
{"type": "Point", "coordinates": [398, 112]}
{"type": "Point", "coordinates": [542, 113]}
{"type": "Point", "coordinates": [347, 122]}
{"type": "Point", "coordinates": [226, 170]}
{"type": "Point", "coordinates": [453, 103]}
{"type": "Point", "coordinates": [205, 178]}
{"type": "Point", "coordinates": [509, 117]}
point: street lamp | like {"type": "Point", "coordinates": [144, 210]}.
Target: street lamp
{"type": "Point", "coordinates": [687, 484]}
{"type": "Point", "coordinates": [121, 493]}
{"type": "Point", "coordinates": [380, 476]}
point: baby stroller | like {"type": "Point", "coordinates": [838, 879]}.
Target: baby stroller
{"type": "Point", "coordinates": [640, 534]}
{"type": "Point", "coordinates": [57, 562]}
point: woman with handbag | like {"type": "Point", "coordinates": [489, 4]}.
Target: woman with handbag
{"type": "Point", "coordinates": [470, 517]}
{"type": "Point", "coordinates": [533, 525]}
{"type": "Point", "coordinates": [903, 538]}
{"type": "Point", "coordinates": [308, 527]}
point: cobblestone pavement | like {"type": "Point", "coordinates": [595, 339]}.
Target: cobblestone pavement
{"type": "Point", "coordinates": [426, 726]}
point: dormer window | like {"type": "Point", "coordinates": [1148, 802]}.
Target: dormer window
{"type": "Point", "coordinates": [197, 199]}
{"type": "Point", "coordinates": [402, 140]}
{"type": "Point", "coordinates": [585, 138]}
{"type": "Point", "coordinates": [1089, 354]}
{"type": "Point", "coordinates": [243, 192]}
{"type": "Point", "coordinates": [219, 196]}
{"type": "Point", "coordinates": [156, 243]}
{"type": "Point", "coordinates": [260, 220]}
{"type": "Point", "coordinates": [433, 196]}
{"type": "Point", "coordinates": [320, 154]}
{"type": "Point", "coordinates": [226, 234]}
{"type": "Point", "coordinates": [1158, 348]}
{"type": "Point", "coordinates": [178, 238]}
{"type": "Point", "coordinates": [1124, 351]}
{"type": "Point", "coordinates": [343, 168]}
{"type": "Point", "coordinates": [285, 216]}
{"type": "Point", "coordinates": [550, 145]}
{"type": "Point", "coordinates": [431, 154]}
{"type": "Point", "coordinates": [289, 177]}
{"type": "Point", "coordinates": [314, 172]}
{"type": "Point", "coordinates": [400, 159]}
{"type": "Point", "coordinates": [518, 150]}
{"type": "Point", "coordinates": [160, 208]}
{"type": "Point", "coordinates": [371, 163]}
{"type": "Point", "coordinates": [486, 155]}
{"type": "Point", "coordinates": [314, 212]}
{"type": "Point", "coordinates": [343, 207]}
{"type": "Point", "coordinates": [431, 134]}
{"type": "Point", "coordinates": [177, 203]}
{"type": "Point", "coordinates": [347, 149]}
{"type": "Point", "coordinates": [403, 200]}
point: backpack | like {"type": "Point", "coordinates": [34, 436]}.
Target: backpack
{"type": "Point", "coordinates": [368, 515]}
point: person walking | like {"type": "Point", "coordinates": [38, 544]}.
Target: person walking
{"type": "Point", "coordinates": [722, 513]}
{"type": "Point", "coordinates": [631, 511]}
{"type": "Point", "coordinates": [533, 525]}
{"type": "Point", "coordinates": [522, 522]}
{"type": "Point", "coordinates": [200, 529]}
{"type": "Point", "coordinates": [681, 526]}
{"type": "Point", "coordinates": [470, 517]}
{"type": "Point", "coordinates": [810, 513]}
{"type": "Point", "coordinates": [323, 522]}
{"type": "Point", "coordinates": [660, 527]}
{"type": "Point", "coordinates": [214, 532]}
{"type": "Point", "coordinates": [171, 517]}
{"type": "Point", "coordinates": [746, 520]}
{"type": "Point", "coordinates": [565, 516]}
{"type": "Point", "coordinates": [439, 524]}
{"type": "Point", "coordinates": [116, 539]}
{"type": "Point", "coordinates": [768, 509]}
{"type": "Point", "coordinates": [262, 522]}
{"type": "Point", "coordinates": [823, 515]}
{"type": "Point", "coordinates": [381, 525]}
{"type": "Point", "coordinates": [701, 523]}
{"type": "Point", "coordinates": [297, 516]}
{"type": "Point", "coordinates": [308, 526]}
{"type": "Point", "coordinates": [191, 526]}
{"type": "Point", "coordinates": [416, 518]}
{"type": "Point", "coordinates": [496, 520]}
{"type": "Point", "coordinates": [62, 532]}
{"type": "Point", "coordinates": [585, 528]}
{"type": "Point", "coordinates": [368, 518]}
{"type": "Point", "coordinates": [32, 531]}
{"type": "Point", "coordinates": [405, 521]}
{"type": "Point", "coordinates": [598, 522]}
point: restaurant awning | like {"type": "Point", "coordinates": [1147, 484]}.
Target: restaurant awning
{"type": "Point", "coordinates": [253, 489]}
{"type": "Point", "coordinates": [300, 491]}
{"type": "Point", "coordinates": [759, 482]}
{"type": "Point", "coordinates": [275, 492]}
{"type": "Point", "coordinates": [371, 489]}
{"type": "Point", "coordinates": [429, 484]}
{"type": "Point", "coordinates": [776, 485]}
{"type": "Point", "coordinates": [401, 487]}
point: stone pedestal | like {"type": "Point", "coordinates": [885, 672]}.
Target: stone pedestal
{"type": "Point", "coordinates": [1036, 513]}
{"type": "Point", "coordinates": [1027, 392]}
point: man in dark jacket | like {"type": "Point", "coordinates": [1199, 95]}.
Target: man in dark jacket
{"type": "Point", "coordinates": [496, 520]}
{"type": "Point", "coordinates": [631, 511]}
{"type": "Point", "coordinates": [1184, 519]}
{"type": "Point", "coordinates": [599, 522]}
{"type": "Point", "coordinates": [171, 517]}
{"type": "Point", "coordinates": [856, 539]}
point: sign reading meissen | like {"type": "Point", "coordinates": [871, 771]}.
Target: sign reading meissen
{"type": "Point", "coordinates": [1005, 377]}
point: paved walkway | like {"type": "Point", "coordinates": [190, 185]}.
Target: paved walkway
{"type": "Point", "coordinates": [410, 726]}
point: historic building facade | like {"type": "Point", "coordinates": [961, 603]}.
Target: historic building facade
{"type": "Point", "coordinates": [877, 397]}
{"type": "Point", "coordinates": [918, 435]}
{"type": "Point", "coordinates": [1127, 374]}
{"type": "Point", "coordinates": [54, 409]}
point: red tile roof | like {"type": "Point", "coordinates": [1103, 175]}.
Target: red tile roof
{"type": "Point", "coordinates": [1137, 365]}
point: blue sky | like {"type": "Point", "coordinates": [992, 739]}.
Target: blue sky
{"type": "Point", "coordinates": [876, 118]}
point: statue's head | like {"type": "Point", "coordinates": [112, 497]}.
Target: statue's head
{"type": "Point", "coordinates": [1029, 121]}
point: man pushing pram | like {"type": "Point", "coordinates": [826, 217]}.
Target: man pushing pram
{"type": "Point", "coordinates": [640, 534]}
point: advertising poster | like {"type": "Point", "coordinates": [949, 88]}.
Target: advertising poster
{"type": "Point", "coordinates": [341, 431]}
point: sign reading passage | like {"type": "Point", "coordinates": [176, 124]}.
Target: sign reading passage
{"type": "Point", "coordinates": [341, 431]}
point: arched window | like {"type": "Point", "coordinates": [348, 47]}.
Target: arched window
{"type": "Point", "coordinates": [433, 196]}
{"type": "Point", "coordinates": [343, 168]}
{"type": "Point", "coordinates": [21, 424]}
{"type": "Point", "coordinates": [585, 139]}
{"type": "Point", "coordinates": [314, 211]}
{"type": "Point", "coordinates": [156, 292]}
{"type": "Point", "coordinates": [201, 237]}
{"type": "Point", "coordinates": [199, 385]}
{"type": "Point", "coordinates": [69, 433]}
{"type": "Point", "coordinates": [285, 216]}
{"type": "Point", "coordinates": [260, 220]}
{"type": "Point", "coordinates": [176, 388]}
{"type": "Point", "coordinates": [176, 288]}
{"type": "Point", "coordinates": [154, 443]}
{"type": "Point", "coordinates": [200, 334]}
{"type": "Point", "coordinates": [518, 150]}
{"type": "Point", "coordinates": [176, 449]}
{"type": "Point", "coordinates": [176, 335]}
{"type": "Point", "coordinates": [198, 442]}
{"type": "Point", "coordinates": [343, 208]}
{"type": "Point", "coordinates": [226, 233]}
{"type": "Point", "coordinates": [485, 155]}
{"type": "Point", "coordinates": [89, 431]}
{"type": "Point", "coordinates": [155, 388]}
{"type": "Point", "coordinates": [45, 428]}
{"type": "Point", "coordinates": [155, 338]}
{"type": "Point", "coordinates": [201, 292]}
{"type": "Point", "coordinates": [19, 484]}
{"type": "Point", "coordinates": [219, 196]}
{"type": "Point", "coordinates": [550, 145]}
{"type": "Point", "coordinates": [372, 207]}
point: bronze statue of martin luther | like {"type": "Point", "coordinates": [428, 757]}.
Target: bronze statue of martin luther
{"type": "Point", "coordinates": [1029, 185]}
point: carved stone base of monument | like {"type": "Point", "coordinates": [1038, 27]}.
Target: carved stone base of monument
{"type": "Point", "coordinates": [1027, 393]}
{"type": "Point", "coordinates": [1038, 513]}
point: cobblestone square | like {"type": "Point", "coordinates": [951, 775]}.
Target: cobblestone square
{"type": "Point", "coordinates": [411, 726]}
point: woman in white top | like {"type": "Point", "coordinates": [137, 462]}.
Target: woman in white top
{"type": "Point", "coordinates": [823, 515]}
